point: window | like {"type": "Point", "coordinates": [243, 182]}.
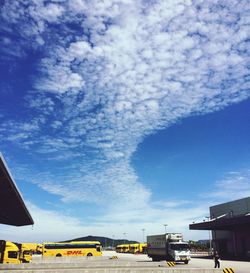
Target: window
{"type": "Point", "coordinates": [180, 247]}
{"type": "Point", "coordinates": [67, 246]}
{"type": "Point", "coordinates": [12, 254]}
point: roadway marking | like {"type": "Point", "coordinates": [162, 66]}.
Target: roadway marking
{"type": "Point", "coordinates": [228, 270]}
{"type": "Point", "coordinates": [173, 264]}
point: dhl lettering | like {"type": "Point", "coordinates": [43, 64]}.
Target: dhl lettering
{"type": "Point", "coordinates": [74, 252]}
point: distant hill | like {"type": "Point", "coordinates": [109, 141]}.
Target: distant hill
{"type": "Point", "coordinates": [105, 241]}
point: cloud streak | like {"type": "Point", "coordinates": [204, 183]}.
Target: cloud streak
{"type": "Point", "coordinates": [114, 72]}
{"type": "Point", "coordinates": [234, 186]}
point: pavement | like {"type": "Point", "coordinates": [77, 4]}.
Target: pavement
{"type": "Point", "coordinates": [112, 262]}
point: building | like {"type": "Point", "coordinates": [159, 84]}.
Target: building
{"type": "Point", "coordinates": [230, 226]}
{"type": "Point", "coordinates": [12, 207]}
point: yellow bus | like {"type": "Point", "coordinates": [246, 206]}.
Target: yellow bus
{"type": "Point", "coordinates": [9, 252]}
{"type": "Point", "coordinates": [118, 248]}
{"type": "Point", "coordinates": [143, 248]}
{"type": "Point", "coordinates": [138, 248]}
{"type": "Point", "coordinates": [77, 248]}
{"type": "Point", "coordinates": [125, 248]}
{"type": "Point", "coordinates": [134, 248]}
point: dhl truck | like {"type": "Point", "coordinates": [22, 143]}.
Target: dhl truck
{"type": "Point", "coordinates": [34, 247]}
{"type": "Point", "coordinates": [14, 253]}
{"type": "Point", "coordinates": [9, 253]}
{"type": "Point", "coordinates": [25, 253]}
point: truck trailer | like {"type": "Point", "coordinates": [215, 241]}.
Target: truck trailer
{"type": "Point", "coordinates": [169, 247]}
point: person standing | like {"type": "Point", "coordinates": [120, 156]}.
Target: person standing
{"type": "Point", "coordinates": [216, 259]}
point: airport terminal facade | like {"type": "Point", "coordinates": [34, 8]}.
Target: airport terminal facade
{"type": "Point", "coordinates": [230, 227]}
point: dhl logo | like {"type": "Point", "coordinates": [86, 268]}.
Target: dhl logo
{"type": "Point", "coordinates": [74, 252]}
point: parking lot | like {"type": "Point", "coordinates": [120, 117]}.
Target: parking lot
{"type": "Point", "coordinates": [119, 263]}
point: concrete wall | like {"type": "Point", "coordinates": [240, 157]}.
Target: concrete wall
{"type": "Point", "coordinates": [111, 270]}
{"type": "Point", "coordinates": [233, 208]}
{"type": "Point", "coordinates": [233, 243]}
{"type": "Point", "coordinates": [98, 265]}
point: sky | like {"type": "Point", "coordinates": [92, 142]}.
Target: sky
{"type": "Point", "coordinates": [124, 118]}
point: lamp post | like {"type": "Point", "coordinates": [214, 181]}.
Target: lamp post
{"type": "Point", "coordinates": [113, 236]}
{"type": "Point", "coordinates": [143, 230]}
{"type": "Point", "coordinates": [124, 236]}
{"type": "Point", "coordinates": [165, 226]}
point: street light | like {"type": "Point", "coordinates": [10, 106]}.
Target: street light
{"type": "Point", "coordinates": [143, 230]}
{"type": "Point", "coordinates": [113, 236]}
{"type": "Point", "coordinates": [165, 225]}
{"type": "Point", "coordinates": [124, 236]}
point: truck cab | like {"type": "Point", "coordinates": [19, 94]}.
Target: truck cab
{"type": "Point", "coordinates": [179, 251]}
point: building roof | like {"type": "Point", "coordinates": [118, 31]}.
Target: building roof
{"type": "Point", "coordinates": [12, 207]}
{"type": "Point", "coordinates": [224, 223]}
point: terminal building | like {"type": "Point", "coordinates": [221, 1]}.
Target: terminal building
{"type": "Point", "coordinates": [230, 226]}
{"type": "Point", "coordinates": [13, 210]}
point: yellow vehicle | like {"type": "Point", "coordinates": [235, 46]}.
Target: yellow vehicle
{"type": "Point", "coordinates": [80, 248]}
{"type": "Point", "coordinates": [31, 246]}
{"type": "Point", "coordinates": [39, 248]}
{"type": "Point", "coordinates": [125, 248]}
{"type": "Point", "coordinates": [122, 248]}
{"type": "Point", "coordinates": [134, 248]}
{"type": "Point", "coordinates": [9, 252]}
{"type": "Point", "coordinates": [118, 249]}
{"type": "Point", "coordinates": [143, 248]}
{"type": "Point", "coordinates": [138, 248]}
{"type": "Point", "coordinates": [26, 253]}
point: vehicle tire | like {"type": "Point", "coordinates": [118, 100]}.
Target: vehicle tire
{"type": "Point", "coordinates": [154, 259]}
{"type": "Point", "coordinates": [186, 262]}
{"type": "Point", "coordinates": [89, 254]}
{"type": "Point", "coordinates": [58, 255]}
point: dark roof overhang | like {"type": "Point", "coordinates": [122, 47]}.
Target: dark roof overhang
{"type": "Point", "coordinates": [232, 223]}
{"type": "Point", "coordinates": [12, 207]}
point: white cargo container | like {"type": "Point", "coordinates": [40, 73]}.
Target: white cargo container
{"type": "Point", "coordinates": [169, 247]}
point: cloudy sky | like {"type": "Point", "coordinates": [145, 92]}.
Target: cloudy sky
{"type": "Point", "coordinates": [123, 115]}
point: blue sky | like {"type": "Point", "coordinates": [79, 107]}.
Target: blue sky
{"type": "Point", "coordinates": [118, 116]}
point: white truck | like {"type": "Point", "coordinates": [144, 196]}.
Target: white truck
{"type": "Point", "coordinates": [169, 247]}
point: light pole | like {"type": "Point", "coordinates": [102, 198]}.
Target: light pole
{"type": "Point", "coordinates": [209, 236]}
{"type": "Point", "coordinates": [143, 230]}
{"type": "Point", "coordinates": [165, 225]}
{"type": "Point", "coordinates": [113, 236]}
{"type": "Point", "coordinates": [124, 236]}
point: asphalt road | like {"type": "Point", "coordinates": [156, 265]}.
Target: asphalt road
{"type": "Point", "coordinates": [238, 266]}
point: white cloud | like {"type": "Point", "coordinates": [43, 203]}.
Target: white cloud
{"type": "Point", "coordinates": [110, 224]}
{"type": "Point", "coordinates": [234, 186]}
{"type": "Point", "coordinates": [124, 70]}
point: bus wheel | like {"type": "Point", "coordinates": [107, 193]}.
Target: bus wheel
{"type": "Point", "coordinates": [186, 262]}
{"type": "Point", "coordinates": [58, 255]}
{"type": "Point", "coordinates": [89, 254]}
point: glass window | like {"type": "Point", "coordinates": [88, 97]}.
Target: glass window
{"type": "Point", "coordinates": [67, 246]}
{"type": "Point", "coordinates": [180, 247]}
{"type": "Point", "coordinates": [12, 254]}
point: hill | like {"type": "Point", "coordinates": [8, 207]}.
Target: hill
{"type": "Point", "coordinates": [105, 241]}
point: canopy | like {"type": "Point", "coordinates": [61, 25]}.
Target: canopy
{"type": "Point", "coordinates": [231, 223]}
{"type": "Point", "coordinates": [12, 208]}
